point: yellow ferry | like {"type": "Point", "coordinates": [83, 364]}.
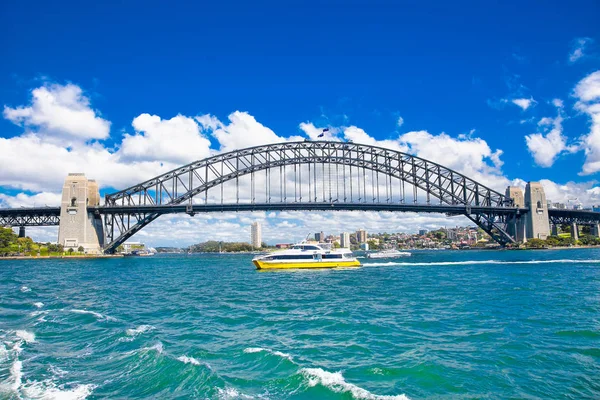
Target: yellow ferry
{"type": "Point", "coordinates": [307, 255]}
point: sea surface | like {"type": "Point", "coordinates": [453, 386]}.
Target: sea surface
{"type": "Point", "coordinates": [440, 324]}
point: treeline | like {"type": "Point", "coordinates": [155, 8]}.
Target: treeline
{"type": "Point", "coordinates": [563, 241]}
{"type": "Point", "coordinates": [213, 246]}
{"type": "Point", "coordinates": [12, 245]}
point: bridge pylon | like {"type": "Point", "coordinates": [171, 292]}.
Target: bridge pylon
{"type": "Point", "coordinates": [538, 221]}
{"type": "Point", "coordinates": [77, 226]}
{"type": "Point", "coordinates": [516, 223]}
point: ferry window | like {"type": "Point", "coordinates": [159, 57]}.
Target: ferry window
{"type": "Point", "coordinates": [332, 256]}
{"type": "Point", "coordinates": [311, 248]}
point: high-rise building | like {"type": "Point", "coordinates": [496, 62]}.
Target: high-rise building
{"type": "Point", "coordinates": [345, 240]}
{"type": "Point", "coordinates": [422, 232]}
{"type": "Point", "coordinates": [320, 237]}
{"type": "Point", "coordinates": [256, 235]}
{"type": "Point", "coordinates": [361, 236]}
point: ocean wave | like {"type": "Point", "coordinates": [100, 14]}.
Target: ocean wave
{"type": "Point", "coordinates": [481, 262]}
{"type": "Point", "coordinates": [231, 393]}
{"type": "Point", "coordinates": [274, 352]}
{"type": "Point", "coordinates": [139, 330]}
{"type": "Point", "coordinates": [189, 360]}
{"type": "Point", "coordinates": [94, 313]}
{"type": "Point", "coordinates": [38, 304]}
{"type": "Point", "coordinates": [25, 289]}
{"type": "Point", "coordinates": [335, 381]}
{"type": "Point", "coordinates": [28, 337]}
{"type": "Point", "coordinates": [48, 390]}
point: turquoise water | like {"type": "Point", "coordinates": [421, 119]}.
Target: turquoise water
{"type": "Point", "coordinates": [442, 324]}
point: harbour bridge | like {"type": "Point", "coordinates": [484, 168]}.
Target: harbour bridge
{"type": "Point", "coordinates": [305, 175]}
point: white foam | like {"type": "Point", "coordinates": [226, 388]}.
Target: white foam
{"type": "Point", "coordinates": [139, 330]}
{"type": "Point", "coordinates": [28, 337]}
{"type": "Point", "coordinates": [25, 289]}
{"type": "Point", "coordinates": [38, 304]}
{"type": "Point", "coordinates": [3, 353]}
{"type": "Point", "coordinates": [336, 382]}
{"type": "Point", "coordinates": [158, 347]}
{"type": "Point", "coordinates": [481, 262]}
{"type": "Point", "coordinates": [231, 393]}
{"type": "Point", "coordinates": [189, 360]}
{"type": "Point", "coordinates": [274, 352]}
{"type": "Point", "coordinates": [47, 390]}
{"type": "Point", "coordinates": [16, 374]}
{"type": "Point", "coordinates": [94, 313]}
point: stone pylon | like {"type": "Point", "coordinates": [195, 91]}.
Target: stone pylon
{"type": "Point", "coordinates": [78, 227]}
{"type": "Point", "coordinates": [538, 222]}
{"type": "Point", "coordinates": [516, 225]}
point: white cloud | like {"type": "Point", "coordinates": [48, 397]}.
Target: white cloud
{"type": "Point", "coordinates": [358, 135]}
{"type": "Point", "coordinates": [60, 111]}
{"type": "Point", "coordinates": [558, 103]}
{"type": "Point", "coordinates": [177, 140]}
{"type": "Point", "coordinates": [578, 47]}
{"type": "Point", "coordinates": [524, 103]}
{"type": "Point", "coordinates": [242, 131]}
{"type": "Point", "coordinates": [470, 156]}
{"type": "Point", "coordinates": [400, 122]}
{"type": "Point", "coordinates": [588, 93]}
{"type": "Point", "coordinates": [24, 200]}
{"type": "Point", "coordinates": [546, 148]}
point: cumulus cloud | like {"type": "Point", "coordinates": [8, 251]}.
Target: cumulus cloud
{"type": "Point", "coordinates": [587, 91]}
{"type": "Point", "coordinates": [546, 146]}
{"type": "Point", "coordinates": [523, 103]}
{"type": "Point", "coordinates": [578, 47]}
{"type": "Point", "coordinates": [177, 140]}
{"type": "Point", "coordinates": [60, 111]}
{"type": "Point", "coordinates": [242, 131]}
{"type": "Point", "coordinates": [313, 132]}
{"type": "Point", "coordinates": [400, 122]}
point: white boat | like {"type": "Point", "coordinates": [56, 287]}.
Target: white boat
{"type": "Point", "coordinates": [307, 255]}
{"type": "Point", "coordinates": [389, 253]}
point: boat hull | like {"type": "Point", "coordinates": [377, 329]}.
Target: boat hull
{"type": "Point", "coordinates": [306, 265]}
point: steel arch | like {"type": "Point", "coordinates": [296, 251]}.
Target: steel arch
{"type": "Point", "coordinates": [182, 184]}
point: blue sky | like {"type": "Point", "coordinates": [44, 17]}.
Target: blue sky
{"type": "Point", "coordinates": [488, 72]}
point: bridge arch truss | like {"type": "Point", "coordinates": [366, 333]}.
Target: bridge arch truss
{"type": "Point", "coordinates": [310, 173]}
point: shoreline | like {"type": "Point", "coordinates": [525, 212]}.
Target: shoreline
{"type": "Point", "coordinates": [77, 257]}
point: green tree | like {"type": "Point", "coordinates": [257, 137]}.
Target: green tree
{"type": "Point", "coordinates": [7, 238]}
{"type": "Point", "coordinates": [80, 249]}
{"type": "Point", "coordinates": [372, 245]}
{"type": "Point", "coordinates": [71, 251]}
{"type": "Point", "coordinates": [535, 243]}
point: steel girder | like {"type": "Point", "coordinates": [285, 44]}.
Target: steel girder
{"type": "Point", "coordinates": [182, 184]}
{"type": "Point", "coordinates": [31, 216]}
{"type": "Point", "coordinates": [580, 217]}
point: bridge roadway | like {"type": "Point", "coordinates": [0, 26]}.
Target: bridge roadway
{"type": "Point", "coordinates": [50, 216]}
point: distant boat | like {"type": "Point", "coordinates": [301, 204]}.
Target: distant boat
{"type": "Point", "coordinates": [391, 253]}
{"type": "Point", "coordinates": [139, 253]}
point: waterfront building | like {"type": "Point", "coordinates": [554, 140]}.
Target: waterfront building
{"type": "Point", "coordinates": [128, 247]}
{"type": "Point", "coordinates": [256, 235]}
{"type": "Point", "coordinates": [345, 240]}
{"type": "Point", "coordinates": [320, 237]}
{"type": "Point", "coordinates": [361, 236]}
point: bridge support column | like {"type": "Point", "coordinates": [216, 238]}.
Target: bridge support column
{"type": "Point", "coordinates": [538, 222]}
{"type": "Point", "coordinates": [21, 231]}
{"type": "Point", "coordinates": [516, 225]}
{"type": "Point", "coordinates": [78, 227]}
{"type": "Point", "coordinates": [574, 231]}
{"type": "Point", "coordinates": [554, 230]}
{"type": "Point", "coordinates": [596, 230]}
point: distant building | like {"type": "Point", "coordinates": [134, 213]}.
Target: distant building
{"type": "Point", "coordinates": [422, 232]}
{"type": "Point", "coordinates": [345, 240]}
{"type": "Point", "coordinates": [320, 237]}
{"type": "Point", "coordinates": [283, 245]}
{"type": "Point", "coordinates": [361, 236]}
{"type": "Point", "coordinates": [128, 247]}
{"type": "Point", "coordinates": [256, 235]}
{"type": "Point", "coordinates": [364, 246]}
